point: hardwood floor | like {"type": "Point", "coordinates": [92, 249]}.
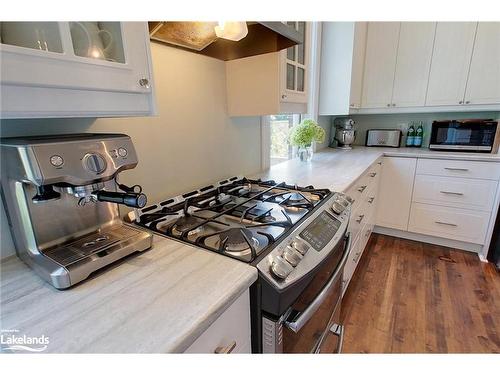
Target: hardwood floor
{"type": "Point", "coordinates": [410, 297]}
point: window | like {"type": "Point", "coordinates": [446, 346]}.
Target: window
{"type": "Point", "coordinates": [276, 128]}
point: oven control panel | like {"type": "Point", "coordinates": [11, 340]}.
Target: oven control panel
{"type": "Point", "coordinates": [309, 244]}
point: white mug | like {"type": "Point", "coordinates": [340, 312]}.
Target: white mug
{"type": "Point", "coordinates": [88, 40]}
{"type": "Point", "coordinates": [37, 35]}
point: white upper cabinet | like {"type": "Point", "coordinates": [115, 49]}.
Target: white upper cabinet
{"type": "Point", "coordinates": [342, 60]}
{"type": "Point", "coordinates": [271, 83]}
{"type": "Point", "coordinates": [414, 55]}
{"type": "Point", "coordinates": [451, 58]}
{"type": "Point", "coordinates": [380, 64]}
{"type": "Point", "coordinates": [75, 69]}
{"type": "Point", "coordinates": [483, 85]}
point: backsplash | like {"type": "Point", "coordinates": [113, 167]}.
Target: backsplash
{"type": "Point", "coordinates": [403, 120]}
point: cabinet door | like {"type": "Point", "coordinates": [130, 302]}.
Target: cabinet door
{"type": "Point", "coordinates": [413, 63]}
{"type": "Point", "coordinates": [294, 65]}
{"type": "Point", "coordinates": [396, 187]}
{"type": "Point", "coordinates": [98, 56]}
{"type": "Point", "coordinates": [483, 85]}
{"type": "Point", "coordinates": [380, 64]}
{"type": "Point", "coordinates": [450, 62]}
{"type": "Point", "coordinates": [358, 60]}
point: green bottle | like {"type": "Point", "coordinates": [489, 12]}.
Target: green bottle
{"type": "Point", "coordinates": [419, 135]}
{"type": "Point", "coordinates": [410, 139]}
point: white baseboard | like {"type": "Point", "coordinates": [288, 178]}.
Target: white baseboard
{"type": "Point", "coordinates": [431, 239]}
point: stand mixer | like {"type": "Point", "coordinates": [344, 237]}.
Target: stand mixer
{"type": "Point", "coordinates": [343, 128]}
{"type": "Point", "coordinates": [61, 198]}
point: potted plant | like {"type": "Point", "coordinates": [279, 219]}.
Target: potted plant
{"type": "Point", "coordinates": [304, 135]}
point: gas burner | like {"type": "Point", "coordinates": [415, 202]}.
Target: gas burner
{"type": "Point", "coordinates": [296, 198]}
{"type": "Point", "coordinates": [238, 217]}
{"type": "Point", "coordinates": [237, 240]}
{"type": "Point", "coordinates": [185, 223]}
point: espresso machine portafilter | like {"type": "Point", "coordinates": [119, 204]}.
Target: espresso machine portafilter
{"type": "Point", "coordinates": [62, 199]}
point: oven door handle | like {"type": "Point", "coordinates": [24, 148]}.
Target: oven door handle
{"type": "Point", "coordinates": [301, 319]}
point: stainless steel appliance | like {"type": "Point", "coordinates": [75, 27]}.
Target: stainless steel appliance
{"type": "Point", "coordinates": [465, 135]}
{"type": "Point", "coordinates": [344, 133]}
{"type": "Point", "coordinates": [61, 199]}
{"type": "Point", "coordinates": [383, 138]}
{"type": "Point", "coordinates": [494, 251]}
{"type": "Point", "coordinates": [296, 237]}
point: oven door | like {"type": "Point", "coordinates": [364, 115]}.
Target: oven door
{"type": "Point", "coordinates": [464, 135]}
{"type": "Point", "coordinates": [312, 314]}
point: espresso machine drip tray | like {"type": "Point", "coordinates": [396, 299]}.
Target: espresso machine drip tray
{"type": "Point", "coordinates": [99, 244]}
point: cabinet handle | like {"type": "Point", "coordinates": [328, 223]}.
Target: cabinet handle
{"type": "Point", "coordinates": [456, 169]}
{"type": "Point", "coordinates": [461, 102]}
{"type": "Point", "coordinates": [283, 96]}
{"type": "Point", "coordinates": [371, 200]}
{"type": "Point", "coordinates": [467, 102]}
{"type": "Point", "coordinates": [225, 349]}
{"type": "Point", "coordinates": [360, 219]}
{"type": "Point", "coordinates": [373, 174]}
{"type": "Point", "coordinates": [388, 104]}
{"type": "Point", "coordinates": [451, 193]}
{"type": "Point", "coordinates": [379, 163]}
{"type": "Point", "coordinates": [449, 224]}
{"type": "Point", "coordinates": [362, 188]}
{"type": "Point", "coordinates": [144, 82]}
{"type": "Point", "coordinates": [368, 232]}
{"type": "Point", "coordinates": [393, 104]}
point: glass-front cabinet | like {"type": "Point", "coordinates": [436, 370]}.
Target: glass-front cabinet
{"type": "Point", "coordinates": [295, 65]}
{"type": "Point", "coordinates": [75, 65]}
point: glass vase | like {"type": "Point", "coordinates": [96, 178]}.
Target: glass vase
{"type": "Point", "coordinates": [305, 153]}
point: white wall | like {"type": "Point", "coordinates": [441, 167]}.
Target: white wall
{"type": "Point", "coordinates": [191, 143]}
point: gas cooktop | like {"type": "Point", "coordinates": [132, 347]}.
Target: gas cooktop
{"type": "Point", "coordinates": [237, 217]}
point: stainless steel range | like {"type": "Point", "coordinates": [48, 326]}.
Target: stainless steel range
{"type": "Point", "coordinates": [296, 237]}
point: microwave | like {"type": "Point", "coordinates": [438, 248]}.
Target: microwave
{"type": "Point", "coordinates": [465, 135]}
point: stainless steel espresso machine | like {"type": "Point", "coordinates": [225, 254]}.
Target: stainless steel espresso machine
{"type": "Point", "coordinates": [61, 197]}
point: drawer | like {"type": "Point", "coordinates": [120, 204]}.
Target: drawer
{"type": "Point", "coordinates": [446, 222]}
{"type": "Point", "coordinates": [233, 326]}
{"type": "Point", "coordinates": [459, 168]}
{"type": "Point", "coordinates": [350, 266]}
{"type": "Point", "coordinates": [358, 220]}
{"type": "Point", "coordinates": [455, 192]}
{"type": "Point", "coordinates": [365, 183]}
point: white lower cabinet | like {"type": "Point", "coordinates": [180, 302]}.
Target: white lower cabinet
{"type": "Point", "coordinates": [365, 192]}
{"type": "Point", "coordinates": [448, 199]}
{"type": "Point", "coordinates": [230, 333]}
{"type": "Point", "coordinates": [449, 222]}
{"type": "Point", "coordinates": [396, 187]}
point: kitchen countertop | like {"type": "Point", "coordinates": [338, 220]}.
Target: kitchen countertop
{"type": "Point", "coordinates": [159, 301]}
{"type": "Point", "coordinates": [338, 169]}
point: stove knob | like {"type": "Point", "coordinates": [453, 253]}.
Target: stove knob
{"type": "Point", "coordinates": [337, 207]}
{"type": "Point", "coordinates": [281, 268]}
{"type": "Point", "coordinates": [300, 246]}
{"type": "Point", "coordinates": [292, 256]}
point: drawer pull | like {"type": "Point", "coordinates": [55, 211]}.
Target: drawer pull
{"type": "Point", "coordinates": [451, 193]}
{"type": "Point", "coordinates": [373, 174]}
{"type": "Point", "coordinates": [379, 163]}
{"type": "Point", "coordinates": [368, 232]}
{"type": "Point", "coordinates": [449, 224]}
{"type": "Point", "coordinates": [225, 349]}
{"type": "Point", "coordinates": [362, 188]}
{"type": "Point", "coordinates": [360, 219]}
{"type": "Point", "coordinates": [371, 200]}
{"type": "Point", "coordinates": [457, 169]}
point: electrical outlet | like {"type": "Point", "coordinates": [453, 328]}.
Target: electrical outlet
{"type": "Point", "coordinates": [403, 126]}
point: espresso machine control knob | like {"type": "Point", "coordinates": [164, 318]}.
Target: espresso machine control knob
{"type": "Point", "coordinates": [94, 163]}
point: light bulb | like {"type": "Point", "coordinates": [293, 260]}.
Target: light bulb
{"type": "Point", "coordinates": [231, 30]}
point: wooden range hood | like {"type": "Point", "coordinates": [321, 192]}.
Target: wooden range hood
{"type": "Point", "coordinates": [199, 37]}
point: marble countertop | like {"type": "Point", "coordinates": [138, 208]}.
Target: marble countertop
{"type": "Point", "coordinates": [159, 301]}
{"type": "Point", "coordinates": [338, 169]}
